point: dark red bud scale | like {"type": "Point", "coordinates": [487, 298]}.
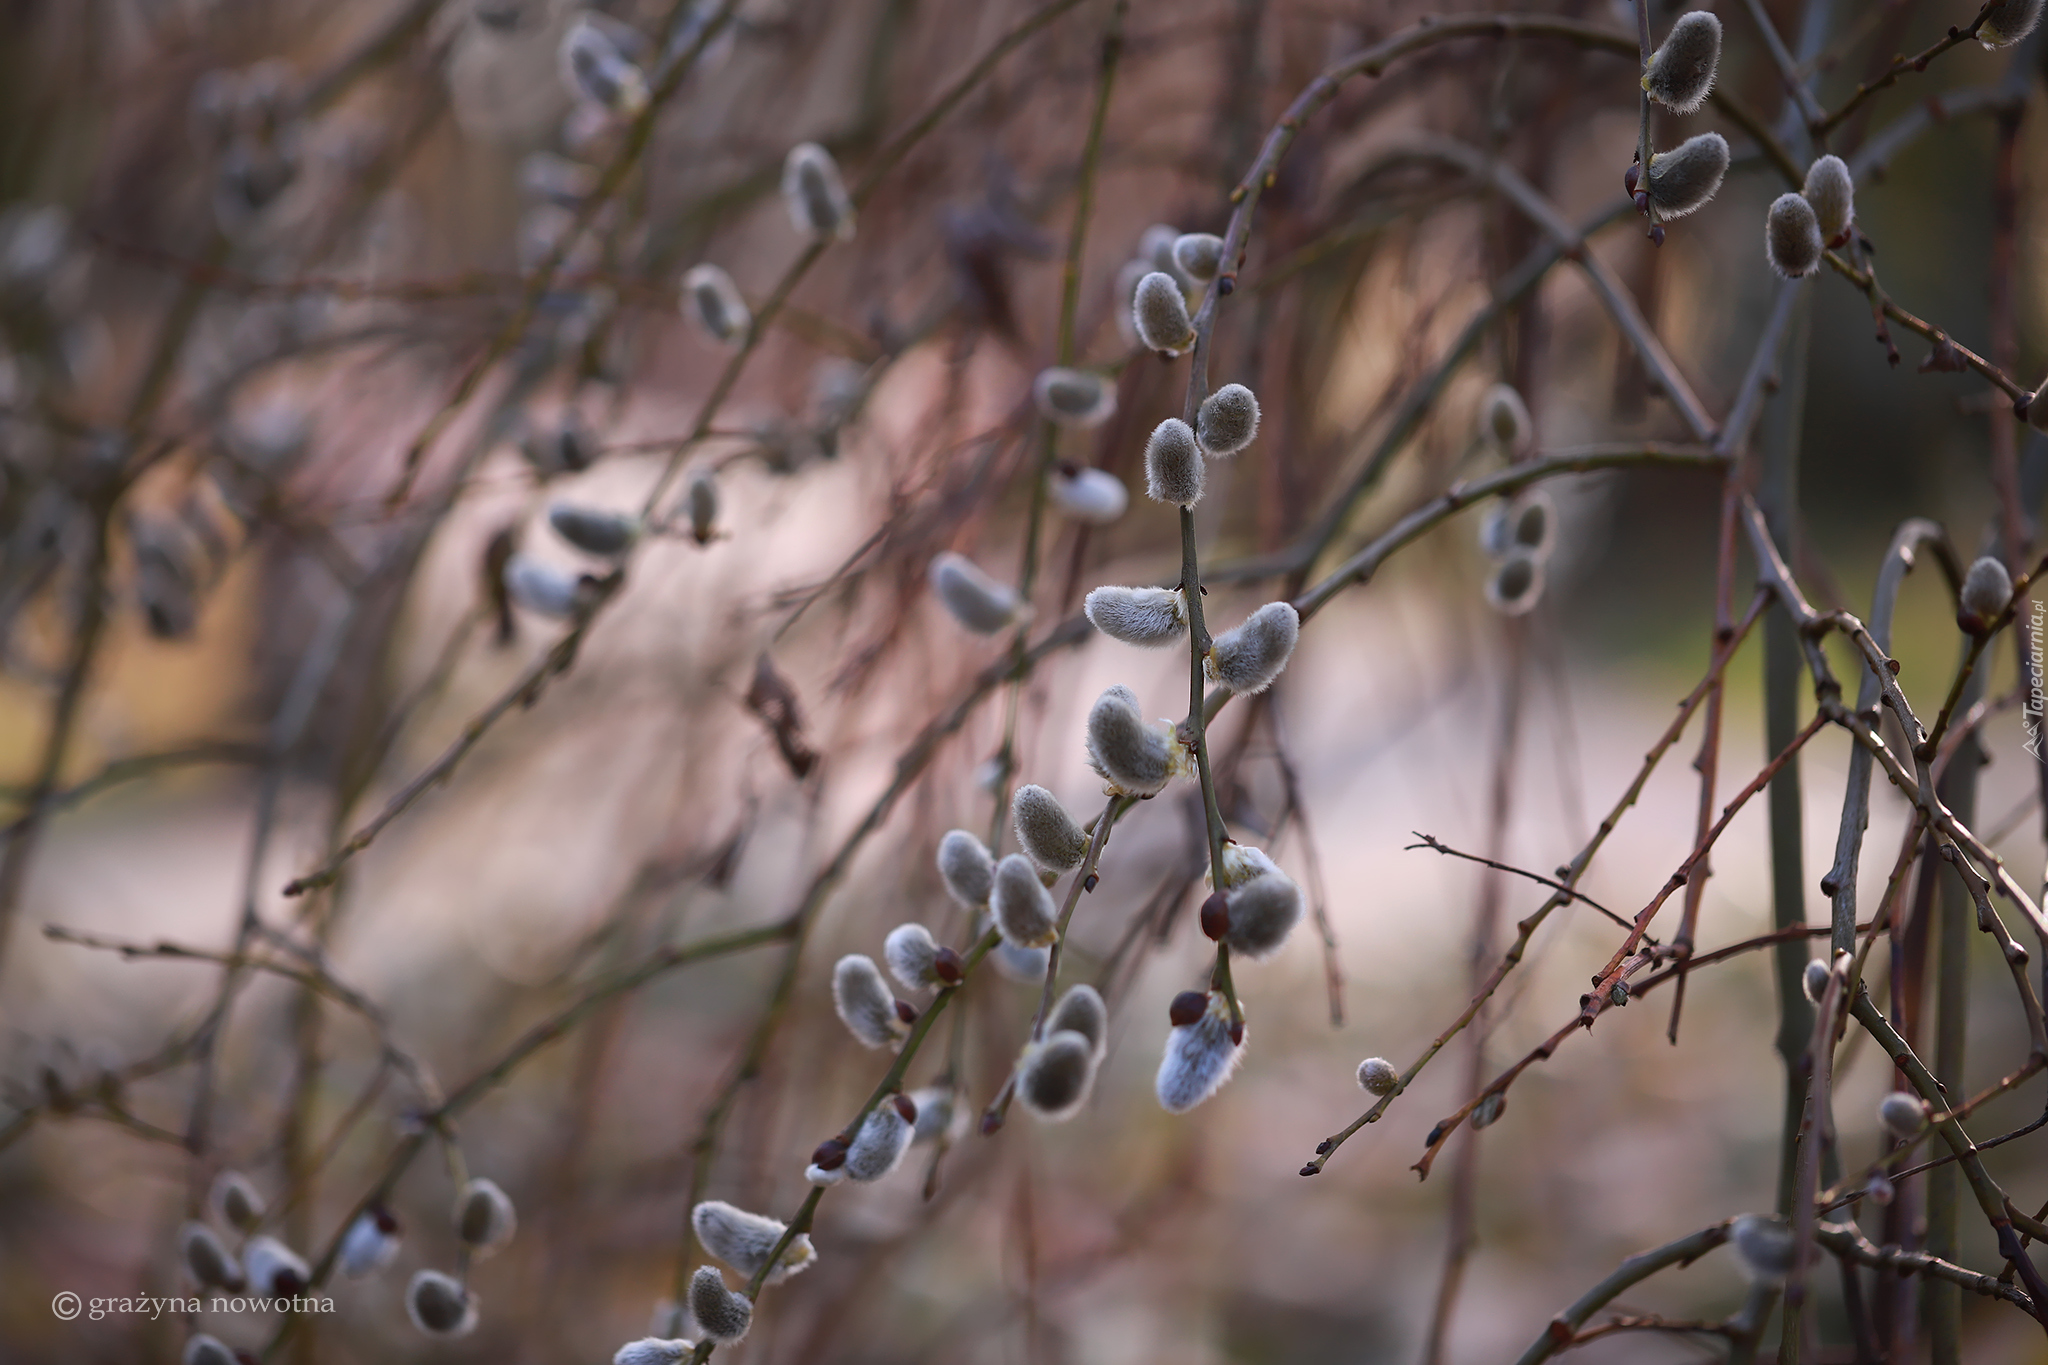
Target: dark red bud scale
{"type": "Point", "coordinates": [905, 1106]}
{"type": "Point", "coordinates": [1642, 201]}
{"type": "Point", "coordinates": [1216, 915]}
{"type": "Point", "coordinates": [906, 1011]}
{"type": "Point", "coordinates": [1187, 1007]}
{"type": "Point", "coordinates": [830, 1155]}
{"type": "Point", "coordinates": [1634, 174]}
{"type": "Point", "coordinates": [946, 965]}
{"type": "Point", "coordinates": [1656, 234]}
{"type": "Point", "coordinates": [1237, 1033]}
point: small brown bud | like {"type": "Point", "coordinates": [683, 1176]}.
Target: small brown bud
{"type": "Point", "coordinates": [946, 965]}
{"type": "Point", "coordinates": [906, 1011]}
{"type": "Point", "coordinates": [905, 1106]}
{"type": "Point", "coordinates": [829, 1155]}
{"type": "Point", "coordinates": [1187, 1007]}
{"type": "Point", "coordinates": [1216, 915]}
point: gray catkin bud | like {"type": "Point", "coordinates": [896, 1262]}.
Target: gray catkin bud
{"type": "Point", "coordinates": [2009, 22]}
{"type": "Point", "coordinates": [1160, 312]}
{"type": "Point", "coordinates": [814, 194]}
{"type": "Point", "coordinates": [1048, 835]}
{"type": "Point", "coordinates": [484, 1218]}
{"type": "Point", "coordinates": [1987, 587]}
{"type": "Point", "coordinates": [1832, 192]}
{"type": "Point", "coordinates": [593, 69]}
{"type": "Point", "coordinates": [1199, 1058]}
{"type": "Point", "coordinates": [1155, 249]}
{"type": "Point", "coordinates": [724, 1315]}
{"type": "Point", "coordinates": [594, 531]}
{"type": "Point", "coordinates": [1516, 586]}
{"type": "Point", "coordinates": [557, 179]}
{"type": "Point", "coordinates": [1149, 617]}
{"type": "Point", "coordinates": [701, 502]}
{"type": "Point", "coordinates": [1792, 241]}
{"type": "Point", "coordinates": [713, 302]}
{"type": "Point", "coordinates": [1687, 176]}
{"type": "Point", "coordinates": [1174, 471]}
{"type": "Point", "coordinates": [1816, 980]}
{"type": "Point", "coordinates": [542, 588]}
{"type": "Point", "coordinates": [1504, 419]}
{"type": "Point", "coordinates": [202, 1349]}
{"type": "Point", "coordinates": [1024, 910]}
{"type": "Point", "coordinates": [370, 1243]}
{"type": "Point", "coordinates": [1055, 1074]}
{"type": "Point", "coordinates": [273, 1268]}
{"type": "Point", "coordinates": [1247, 659]}
{"type": "Point", "coordinates": [1681, 72]}
{"type": "Point", "coordinates": [936, 1106]}
{"type": "Point", "coordinates": [1199, 255]}
{"type": "Point", "coordinates": [653, 1351]}
{"type": "Point", "coordinates": [1027, 966]}
{"type": "Point", "coordinates": [1765, 1245]}
{"type": "Point", "coordinates": [1095, 496]}
{"type": "Point", "coordinates": [1263, 912]}
{"type": "Point", "coordinates": [1902, 1113]}
{"type": "Point", "coordinates": [1132, 755]}
{"type": "Point", "coordinates": [1523, 525]}
{"type": "Point", "coordinates": [207, 1261]}
{"type": "Point", "coordinates": [1073, 398]}
{"type": "Point", "coordinates": [1228, 420]}
{"type": "Point", "coordinates": [1082, 1010]}
{"type": "Point", "coordinates": [911, 954]}
{"type": "Point", "coordinates": [864, 1003]}
{"type": "Point", "coordinates": [236, 1203]}
{"type": "Point", "coordinates": [967, 868]}
{"type": "Point", "coordinates": [1376, 1076]}
{"type": "Point", "coordinates": [976, 601]}
{"type": "Point", "coordinates": [439, 1305]}
{"type": "Point", "coordinates": [879, 1146]}
{"type": "Point", "coordinates": [743, 1240]}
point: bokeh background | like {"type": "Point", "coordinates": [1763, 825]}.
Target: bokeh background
{"type": "Point", "coordinates": [227, 315]}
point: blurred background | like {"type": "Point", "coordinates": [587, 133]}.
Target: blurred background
{"type": "Point", "coordinates": [309, 312]}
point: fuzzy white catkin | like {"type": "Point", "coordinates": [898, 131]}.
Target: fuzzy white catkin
{"type": "Point", "coordinates": [1241, 863]}
{"type": "Point", "coordinates": [1024, 910]}
{"type": "Point", "coordinates": [1048, 835]}
{"type": "Point", "coordinates": [1155, 248]}
{"type": "Point", "coordinates": [935, 1109]}
{"type": "Point", "coordinates": [484, 1218]}
{"type": "Point", "coordinates": [1263, 912]}
{"type": "Point", "coordinates": [1095, 496]}
{"type": "Point", "coordinates": [976, 601]}
{"type": "Point", "coordinates": [593, 69]}
{"type": "Point", "coordinates": [878, 1147]}
{"type": "Point", "coordinates": [1249, 658]}
{"type": "Point", "coordinates": [2009, 22]}
{"type": "Point", "coordinates": [1516, 586]}
{"type": "Point", "coordinates": [1149, 617]}
{"type": "Point", "coordinates": [1055, 1074]}
{"type": "Point", "coordinates": [1686, 177]}
{"type": "Point", "coordinates": [911, 954]}
{"type": "Point", "coordinates": [743, 1240]}
{"type": "Point", "coordinates": [1174, 470]}
{"type": "Point", "coordinates": [273, 1268]}
{"type": "Point", "coordinates": [864, 1003]}
{"type": "Point", "coordinates": [1376, 1076]}
{"type": "Point", "coordinates": [1228, 420]}
{"type": "Point", "coordinates": [542, 588]}
{"type": "Point", "coordinates": [1764, 1244]}
{"type": "Point", "coordinates": [724, 1315]}
{"type": "Point", "coordinates": [1792, 241]}
{"type": "Point", "coordinates": [713, 302]}
{"type": "Point", "coordinates": [1987, 587]}
{"type": "Point", "coordinates": [202, 1349]}
{"type": "Point", "coordinates": [967, 868]}
{"type": "Point", "coordinates": [1815, 980]}
{"type": "Point", "coordinates": [593, 530]}
{"type": "Point", "coordinates": [1525, 524]}
{"type": "Point", "coordinates": [1832, 192]}
{"type": "Point", "coordinates": [1024, 965]}
{"type": "Point", "coordinates": [1199, 255]}
{"type": "Point", "coordinates": [1199, 1058]}
{"type": "Point", "coordinates": [1132, 755]}
{"type": "Point", "coordinates": [235, 1202]}
{"type": "Point", "coordinates": [1082, 1010]}
{"type": "Point", "coordinates": [1681, 71]}
{"type": "Point", "coordinates": [1504, 419]}
{"type": "Point", "coordinates": [653, 1351]}
{"type": "Point", "coordinates": [701, 501]}
{"type": "Point", "coordinates": [1159, 311]}
{"type": "Point", "coordinates": [370, 1244]}
{"type": "Point", "coordinates": [814, 194]}
{"type": "Point", "coordinates": [207, 1260]}
{"type": "Point", "coordinates": [1901, 1113]}
{"type": "Point", "coordinates": [439, 1305]}
{"type": "Point", "coordinates": [1073, 398]}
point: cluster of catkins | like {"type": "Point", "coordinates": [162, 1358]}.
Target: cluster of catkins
{"type": "Point", "coordinates": [1679, 76]}
{"type": "Point", "coordinates": [439, 1304]}
{"type": "Point", "coordinates": [1803, 224]}
{"type": "Point", "coordinates": [1518, 532]}
{"type": "Point", "coordinates": [745, 1242]}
